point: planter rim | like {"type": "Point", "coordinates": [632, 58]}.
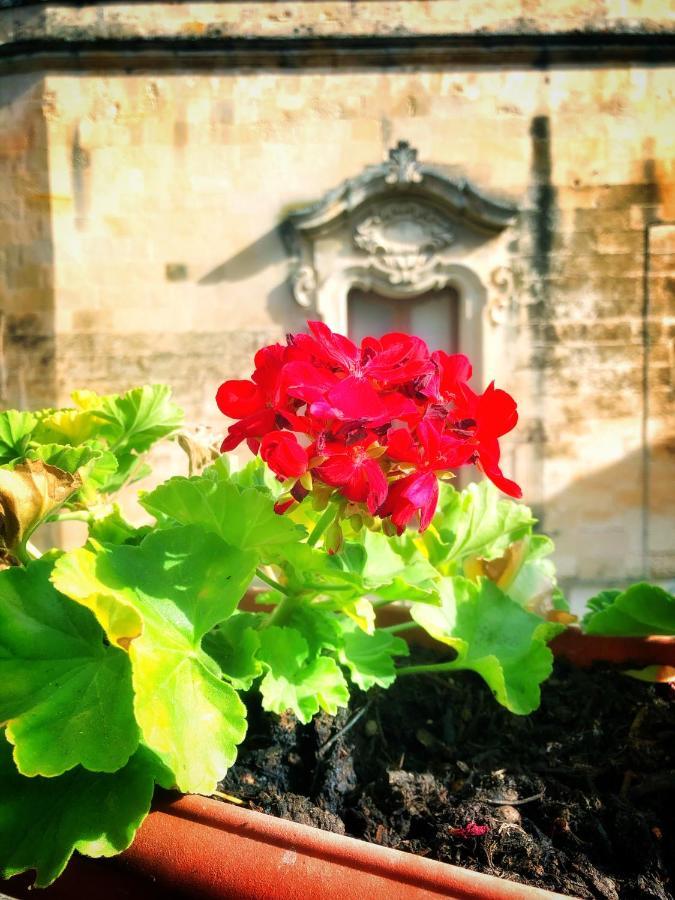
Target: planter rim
{"type": "Point", "coordinates": [342, 860]}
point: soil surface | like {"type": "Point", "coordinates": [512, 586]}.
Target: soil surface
{"type": "Point", "coordinates": [577, 798]}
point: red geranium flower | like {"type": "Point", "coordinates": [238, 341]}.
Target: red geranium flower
{"type": "Point", "coordinates": [255, 403]}
{"type": "Point", "coordinates": [416, 493]}
{"type": "Point", "coordinates": [283, 454]}
{"type": "Point", "coordinates": [352, 469]}
{"type": "Point", "coordinates": [379, 421]}
{"type": "Point", "coordinates": [429, 451]}
{"type": "Point", "coordinates": [486, 417]}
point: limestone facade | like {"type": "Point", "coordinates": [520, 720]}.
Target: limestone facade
{"type": "Point", "coordinates": [152, 156]}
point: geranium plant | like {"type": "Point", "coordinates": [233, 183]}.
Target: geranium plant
{"type": "Point", "coordinates": [123, 663]}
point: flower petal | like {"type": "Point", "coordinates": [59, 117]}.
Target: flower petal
{"type": "Point", "coordinates": [239, 398]}
{"type": "Point", "coordinates": [283, 454]}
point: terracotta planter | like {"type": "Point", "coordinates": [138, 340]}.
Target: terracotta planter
{"type": "Point", "coordinates": [200, 848]}
{"type": "Point", "coordinates": [194, 847]}
{"type": "Point", "coordinates": [585, 649]}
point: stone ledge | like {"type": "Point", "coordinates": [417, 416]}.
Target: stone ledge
{"type": "Point", "coordinates": [287, 34]}
{"type": "Point", "coordinates": [336, 18]}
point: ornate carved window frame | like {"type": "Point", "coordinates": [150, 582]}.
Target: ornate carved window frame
{"type": "Point", "coordinates": [402, 228]}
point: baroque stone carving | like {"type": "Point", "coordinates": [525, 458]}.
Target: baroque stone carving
{"type": "Point", "coordinates": [403, 165]}
{"type": "Point", "coordinates": [501, 294]}
{"type": "Point", "coordinates": [394, 228]}
{"type": "Point", "coordinates": [402, 239]}
{"type": "Point", "coordinates": [304, 285]}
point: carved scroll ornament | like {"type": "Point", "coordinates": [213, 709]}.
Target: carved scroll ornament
{"type": "Point", "coordinates": [402, 240]}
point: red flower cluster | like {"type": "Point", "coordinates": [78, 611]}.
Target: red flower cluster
{"type": "Point", "coordinates": [376, 424]}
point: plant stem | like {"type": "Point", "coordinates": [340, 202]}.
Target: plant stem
{"type": "Point", "coordinates": [321, 525]}
{"type": "Point", "coordinates": [26, 552]}
{"type": "Point", "coordinates": [74, 515]}
{"type": "Point", "coordinates": [281, 612]}
{"type": "Point", "coordinates": [33, 550]}
{"type": "Point", "coordinates": [426, 670]}
{"type": "Point", "coordinates": [272, 583]}
{"type": "Point", "coordinates": [402, 626]}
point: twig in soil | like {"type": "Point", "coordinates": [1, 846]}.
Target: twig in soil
{"type": "Point", "coordinates": [379, 725]}
{"type": "Point", "coordinates": [637, 723]}
{"type": "Point", "coordinates": [514, 802]}
{"type": "Point", "coordinates": [228, 797]}
{"type": "Point", "coordinates": [350, 724]}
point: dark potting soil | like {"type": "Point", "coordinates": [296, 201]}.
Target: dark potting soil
{"type": "Point", "coordinates": [577, 798]}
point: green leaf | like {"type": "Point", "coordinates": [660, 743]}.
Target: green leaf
{"type": "Point", "coordinates": [65, 456]}
{"type": "Point", "coordinates": [255, 474]}
{"type": "Point", "coordinates": [601, 601]}
{"type": "Point", "coordinates": [234, 645]}
{"type": "Point", "coordinates": [304, 565]}
{"type": "Point", "coordinates": [391, 568]}
{"type": "Point", "coordinates": [292, 682]}
{"type": "Point", "coordinates": [158, 600]}
{"type": "Point", "coordinates": [113, 528]}
{"type": "Point", "coordinates": [320, 629]}
{"type": "Point", "coordinates": [43, 820]}
{"type": "Point", "coordinates": [65, 696]}
{"type": "Point", "coordinates": [370, 657]}
{"type": "Point", "coordinates": [244, 519]}
{"type": "Point", "coordinates": [15, 431]}
{"type": "Point", "coordinates": [641, 610]}
{"type": "Point", "coordinates": [493, 636]}
{"type": "Point", "coordinates": [130, 468]}
{"type": "Point", "coordinates": [140, 417]}
{"type": "Point", "coordinates": [477, 522]}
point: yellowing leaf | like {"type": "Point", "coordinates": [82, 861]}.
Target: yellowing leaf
{"type": "Point", "coordinates": [88, 400]}
{"type": "Point", "coordinates": [68, 426]}
{"type": "Point", "coordinates": [655, 674]}
{"type": "Point", "coordinates": [361, 611]}
{"type": "Point", "coordinates": [113, 607]}
{"type": "Point", "coordinates": [161, 598]}
{"type": "Point", "coordinates": [28, 493]}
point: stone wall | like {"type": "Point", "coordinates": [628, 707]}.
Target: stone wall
{"type": "Point", "coordinates": [141, 234]}
{"type": "Point", "coordinates": [26, 253]}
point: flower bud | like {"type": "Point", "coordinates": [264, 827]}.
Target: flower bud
{"type": "Point", "coordinates": [321, 495]}
{"type": "Point", "coordinates": [334, 539]}
{"type": "Point", "coordinates": [306, 481]}
{"type": "Point", "coordinates": [389, 528]}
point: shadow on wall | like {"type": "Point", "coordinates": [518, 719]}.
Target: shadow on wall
{"type": "Point", "coordinates": [266, 251]}
{"type": "Point", "coordinates": [615, 524]}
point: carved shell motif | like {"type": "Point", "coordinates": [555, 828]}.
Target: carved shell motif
{"type": "Point", "coordinates": [402, 240]}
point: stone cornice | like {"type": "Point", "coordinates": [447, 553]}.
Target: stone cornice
{"type": "Point", "coordinates": [65, 36]}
